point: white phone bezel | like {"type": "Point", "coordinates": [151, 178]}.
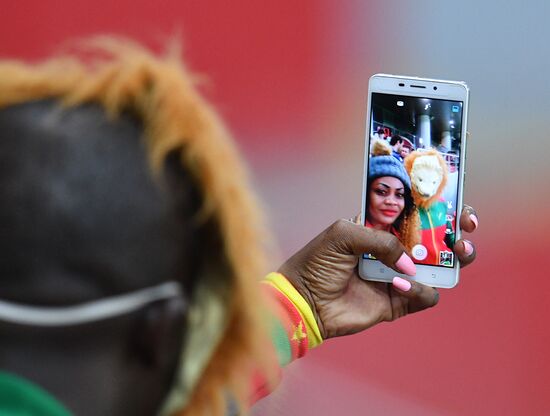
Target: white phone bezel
{"type": "Point", "coordinates": [435, 276]}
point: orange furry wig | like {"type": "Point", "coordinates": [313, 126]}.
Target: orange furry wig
{"type": "Point", "coordinates": [122, 76]}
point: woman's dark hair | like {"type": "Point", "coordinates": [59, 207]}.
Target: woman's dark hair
{"type": "Point", "coordinates": [396, 138]}
{"type": "Point", "coordinates": [410, 207]}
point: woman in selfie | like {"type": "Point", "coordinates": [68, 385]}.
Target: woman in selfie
{"type": "Point", "coordinates": [390, 206]}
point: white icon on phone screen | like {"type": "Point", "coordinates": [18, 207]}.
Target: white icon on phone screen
{"type": "Point", "coordinates": [419, 252]}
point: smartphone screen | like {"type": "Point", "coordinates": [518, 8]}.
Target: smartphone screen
{"type": "Point", "coordinates": [413, 174]}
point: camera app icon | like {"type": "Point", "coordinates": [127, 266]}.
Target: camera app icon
{"type": "Point", "coordinates": [419, 252]}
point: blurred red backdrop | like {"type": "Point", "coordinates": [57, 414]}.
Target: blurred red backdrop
{"type": "Point", "coordinates": [258, 57]}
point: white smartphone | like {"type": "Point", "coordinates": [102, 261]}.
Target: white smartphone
{"type": "Point", "coordinates": [415, 151]}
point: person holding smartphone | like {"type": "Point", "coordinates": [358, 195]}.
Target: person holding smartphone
{"type": "Point", "coordinates": [131, 254]}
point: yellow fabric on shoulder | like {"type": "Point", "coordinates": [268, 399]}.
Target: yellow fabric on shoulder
{"type": "Point", "coordinates": [281, 283]}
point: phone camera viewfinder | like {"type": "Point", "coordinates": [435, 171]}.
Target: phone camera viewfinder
{"type": "Point", "coordinates": [435, 88]}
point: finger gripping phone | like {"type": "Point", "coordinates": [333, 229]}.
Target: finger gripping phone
{"type": "Point", "coordinates": [413, 178]}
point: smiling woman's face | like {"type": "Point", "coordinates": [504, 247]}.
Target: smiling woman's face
{"type": "Point", "coordinates": [386, 201]}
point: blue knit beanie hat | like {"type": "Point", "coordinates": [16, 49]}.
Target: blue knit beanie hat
{"type": "Point", "coordinates": [388, 166]}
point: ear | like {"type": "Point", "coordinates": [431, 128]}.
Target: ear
{"type": "Point", "coordinates": [444, 173]}
{"type": "Point", "coordinates": [409, 160]}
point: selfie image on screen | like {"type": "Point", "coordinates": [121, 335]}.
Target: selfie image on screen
{"type": "Point", "coordinates": [413, 174]}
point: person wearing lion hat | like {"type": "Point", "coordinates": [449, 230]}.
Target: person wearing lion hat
{"type": "Point", "coordinates": [429, 173]}
{"type": "Point", "coordinates": [132, 249]}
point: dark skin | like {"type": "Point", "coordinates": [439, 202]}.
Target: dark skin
{"type": "Point", "coordinates": [325, 273]}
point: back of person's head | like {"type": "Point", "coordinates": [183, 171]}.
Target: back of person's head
{"type": "Point", "coordinates": [396, 138]}
{"type": "Point", "coordinates": [127, 221]}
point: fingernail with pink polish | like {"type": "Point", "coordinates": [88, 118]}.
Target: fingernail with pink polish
{"type": "Point", "coordinates": [468, 248]}
{"type": "Point", "coordinates": [474, 220]}
{"type": "Point", "coordinates": [401, 284]}
{"type": "Point", "coordinates": [406, 265]}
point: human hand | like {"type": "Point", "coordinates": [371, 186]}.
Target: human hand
{"type": "Point", "coordinates": [325, 273]}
